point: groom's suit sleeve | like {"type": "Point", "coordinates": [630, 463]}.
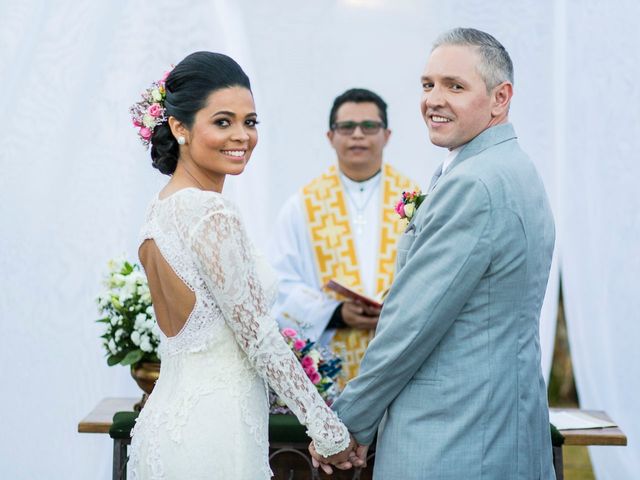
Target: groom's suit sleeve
{"type": "Point", "coordinates": [444, 263]}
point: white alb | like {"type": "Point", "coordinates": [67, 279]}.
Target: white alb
{"type": "Point", "coordinates": [207, 417]}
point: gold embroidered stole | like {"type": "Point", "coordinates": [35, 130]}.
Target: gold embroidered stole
{"type": "Point", "coordinates": [334, 250]}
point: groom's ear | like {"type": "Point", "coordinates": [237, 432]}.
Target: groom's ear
{"type": "Point", "coordinates": [501, 98]}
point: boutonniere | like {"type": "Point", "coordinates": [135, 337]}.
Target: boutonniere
{"type": "Point", "coordinates": [409, 203]}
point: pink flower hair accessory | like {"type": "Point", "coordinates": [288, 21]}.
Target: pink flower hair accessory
{"type": "Point", "coordinates": [150, 111]}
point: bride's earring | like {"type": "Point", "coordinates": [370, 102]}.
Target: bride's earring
{"type": "Point", "coordinates": [181, 140]}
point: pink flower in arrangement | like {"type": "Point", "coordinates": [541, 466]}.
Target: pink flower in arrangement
{"type": "Point", "coordinates": [136, 123]}
{"type": "Point", "coordinates": [164, 77]}
{"type": "Point", "coordinates": [145, 133]}
{"type": "Point", "coordinates": [155, 110]}
{"type": "Point", "coordinates": [311, 370]}
{"type": "Point", "coordinates": [299, 344]}
{"type": "Point", "coordinates": [400, 209]}
{"type": "Point", "coordinates": [289, 332]}
{"type": "Point", "coordinates": [315, 378]}
{"type": "Point", "coordinates": [307, 362]}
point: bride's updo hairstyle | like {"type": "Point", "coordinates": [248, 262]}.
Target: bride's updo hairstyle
{"type": "Point", "coordinates": [187, 88]}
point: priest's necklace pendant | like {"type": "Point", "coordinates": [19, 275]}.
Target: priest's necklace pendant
{"type": "Point", "coordinates": [359, 223]}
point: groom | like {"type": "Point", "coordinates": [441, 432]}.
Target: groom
{"type": "Point", "coordinates": [452, 380]}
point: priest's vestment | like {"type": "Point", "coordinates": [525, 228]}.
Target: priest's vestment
{"type": "Point", "coordinates": [336, 228]}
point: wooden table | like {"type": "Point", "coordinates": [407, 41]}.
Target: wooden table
{"type": "Point", "coordinates": [100, 418]}
{"type": "Point", "coordinates": [592, 436]}
{"type": "Point", "coordinates": [288, 460]}
{"type": "Point", "coordinates": [99, 421]}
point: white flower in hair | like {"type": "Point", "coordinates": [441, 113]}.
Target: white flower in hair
{"type": "Point", "coordinates": [148, 121]}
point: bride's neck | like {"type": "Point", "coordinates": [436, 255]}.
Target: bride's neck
{"type": "Point", "coordinates": [188, 174]}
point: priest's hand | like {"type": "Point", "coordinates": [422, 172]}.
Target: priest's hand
{"type": "Point", "coordinates": [358, 315]}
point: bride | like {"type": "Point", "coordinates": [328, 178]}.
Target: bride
{"type": "Point", "coordinates": [207, 417]}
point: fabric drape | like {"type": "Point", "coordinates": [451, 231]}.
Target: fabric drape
{"type": "Point", "coordinates": [75, 181]}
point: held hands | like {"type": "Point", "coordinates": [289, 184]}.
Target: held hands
{"type": "Point", "coordinates": [359, 315]}
{"type": "Point", "coordinates": [353, 456]}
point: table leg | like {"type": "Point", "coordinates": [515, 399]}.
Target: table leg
{"type": "Point", "coordinates": [120, 458]}
{"type": "Point", "coordinates": [557, 463]}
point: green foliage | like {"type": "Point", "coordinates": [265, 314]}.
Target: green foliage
{"type": "Point", "coordinates": [134, 356]}
{"type": "Point", "coordinates": [114, 359]}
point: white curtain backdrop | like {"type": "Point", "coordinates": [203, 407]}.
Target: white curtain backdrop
{"type": "Point", "coordinates": [600, 218]}
{"type": "Point", "coordinates": [75, 182]}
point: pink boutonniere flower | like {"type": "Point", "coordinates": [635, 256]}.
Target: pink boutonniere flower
{"type": "Point", "coordinates": [409, 203]}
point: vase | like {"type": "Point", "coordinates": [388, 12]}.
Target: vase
{"type": "Point", "coordinates": [145, 374]}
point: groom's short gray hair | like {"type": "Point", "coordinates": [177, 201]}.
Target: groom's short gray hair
{"type": "Point", "coordinates": [495, 64]}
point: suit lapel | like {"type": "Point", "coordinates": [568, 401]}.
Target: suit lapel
{"type": "Point", "coordinates": [434, 179]}
{"type": "Point", "coordinates": [490, 137]}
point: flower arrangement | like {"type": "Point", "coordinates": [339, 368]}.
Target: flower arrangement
{"type": "Point", "coordinates": [150, 112]}
{"type": "Point", "coordinates": [320, 365]}
{"type": "Point", "coordinates": [409, 203]}
{"type": "Point", "coordinates": [132, 334]}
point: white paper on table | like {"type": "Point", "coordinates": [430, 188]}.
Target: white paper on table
{"type": "Point", "coordinates": [577, 421]}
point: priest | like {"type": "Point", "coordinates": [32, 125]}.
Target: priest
{"type": "Point", "coordinates": [341, 226]}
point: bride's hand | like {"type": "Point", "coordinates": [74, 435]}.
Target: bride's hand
{"type": "Point", "coordinates": [353, 456]}
{"type": "Point", "coordinates": [318, 460]}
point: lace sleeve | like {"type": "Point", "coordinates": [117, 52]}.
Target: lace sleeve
{"type": "Point", "coordinates": [223, 257]}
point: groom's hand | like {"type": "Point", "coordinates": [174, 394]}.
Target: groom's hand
{"type": "Point", "coordinates": [361, 454]}
{"type": "Point", "coordinates": [358, 315]}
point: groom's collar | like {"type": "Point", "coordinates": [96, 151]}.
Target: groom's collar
{"type": "Point", "coordinates": [488, 138]}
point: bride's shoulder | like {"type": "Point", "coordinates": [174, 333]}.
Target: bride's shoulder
{"type": "Point", "coordinates": [204, 203]}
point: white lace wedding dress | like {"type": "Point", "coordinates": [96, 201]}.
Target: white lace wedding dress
{"type": "Point", "coordinates": [207, 417]}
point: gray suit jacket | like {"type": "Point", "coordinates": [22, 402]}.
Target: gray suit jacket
{"type": "Point", "coordinates": [455, 363]}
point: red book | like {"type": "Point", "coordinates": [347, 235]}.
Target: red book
{"type": "Point", "coordinates": [351, 294]}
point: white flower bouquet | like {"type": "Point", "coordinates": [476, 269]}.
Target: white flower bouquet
{"type": "Point", "coordinates": [132, 334]}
